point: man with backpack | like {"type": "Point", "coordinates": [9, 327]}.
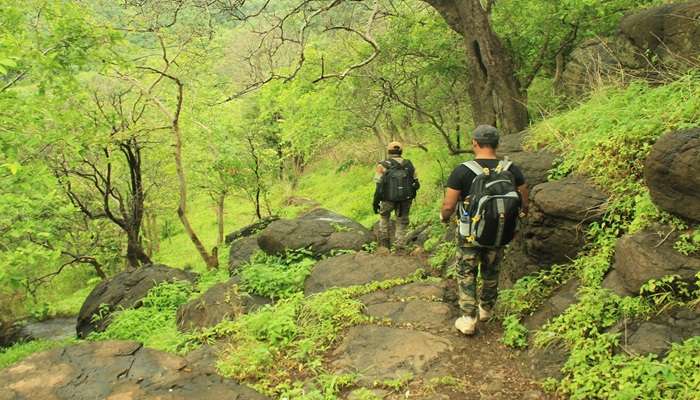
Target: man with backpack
{"type": "Point", "coordinates": [397, 184]}
{"type": "Point", "coordinates": [489, 195]}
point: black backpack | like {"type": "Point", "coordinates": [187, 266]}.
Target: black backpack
{"type": "Point", "coordinates": [489, 215]}
{"type": "Point", "coordinates": [397, 181]}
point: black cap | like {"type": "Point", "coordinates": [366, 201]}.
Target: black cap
{"type": "Point", "coordinates": [486, 134]}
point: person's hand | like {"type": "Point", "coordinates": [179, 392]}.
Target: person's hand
{"type": "Point", "coordinates": [444, 220]}
{"type": "Point", "coordinates": [375, 207]}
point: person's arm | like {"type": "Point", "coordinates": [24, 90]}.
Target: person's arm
{"type": "Point", "coordinates": [525, 198]}
{"type": "Point", "coordinates": [449, 204]}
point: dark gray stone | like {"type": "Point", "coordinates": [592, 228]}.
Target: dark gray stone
{"type": "Point", "coordinates": [124, 290]}
{"type": "Point", "coordinates": [672, 173]}
{"type": "Point", "coordinates": [648, 255]}
{"type": "Point", "coordinates": [379, 353]}
{"type": "Point", "coordinates": [555, 305]}
{"type": "Point", "coordinates": [114, 370]}
{"type": "Point", "coordinates": [222, 301]}
{"type": "Point", "coordinates": [656, 335]}
{"type": "Point", "coordinates": [358, 269]}
{"type": "Point", "coordinates": [320, 230]}
{"type": "Point", "coordinates": [240, 252]}
{"type": "Point", "coordinates": [250, 230]}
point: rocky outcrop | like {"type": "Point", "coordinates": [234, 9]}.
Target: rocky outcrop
{"type": "Point", "coordinates": [414, 237]}
{"type": "Point", "coordinates": [240, 252]}
{"type": "Point", "coordinates": [670, 32]}
{"type": "Point", "coordinates": [222, 301]}
{"type": "Point", "coordinates": [672, 173]}
{"type": "Point", "coordinates": [358, 269]}
{"type": "Point", "coordinates": [320, 230]}
{"type": "Point", "coordinates": [646, 255]}
{"type": "Point", "coordinates": [114, 370]}
{"type": "Point", "coordinates": [648, 41]}
{"type": "Point", "coordinates": [535, 165]}
{"type": "Point", "coordinates": [382, 353]}
{"type": "Point", "coordinates": [416, 305]}
{"type": "Point", "coordinates": [124, 290]}
{"type": "Point", "coordinates": [555, 229]}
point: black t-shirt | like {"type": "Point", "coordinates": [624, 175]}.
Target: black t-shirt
{"type": "Point", "coordinates": [461, 177]}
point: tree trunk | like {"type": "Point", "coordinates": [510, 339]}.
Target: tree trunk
{"type": "Point", "coordinates": [494, 90]}
{"type": "Point", "coordinates": [135, 255]}
{"type": "Point", "coordinates": [212, 260]}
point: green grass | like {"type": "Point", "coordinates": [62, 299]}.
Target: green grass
{"type": "Point", "coordinates": [20, 351]}
{"type": "Point", "coordinates": [607, 138]}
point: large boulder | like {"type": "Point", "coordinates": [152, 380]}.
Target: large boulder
{"type": "Point", "coordinates": [358, 269]}
{"type": "Point", "coordinates": [114, 370]}
{"type": "Point", "coordinates": [647, 42]}
{"type": "Point", "coordinates": [555, 230]}
{"type": "Point", "coordinates": [670, 31]}
{"type": "Point", "coordinates": [646, 255]}
{"type": "Point", "coordinates": [240, 252]}
{"type": "Point", "coordinates": [320, 230]}
{"type": "Point", "coordinates": [672, 172]}
{"type": "Point", "coordinates": [222, 301]}
{"type": "Point", "coordinates": [599, 61]}
{"type": "Point", "coordinates": [122, 291]}
{"type": "Point", "coordinates": [555, 305]}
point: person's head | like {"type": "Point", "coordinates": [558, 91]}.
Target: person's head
{"type": "Point", "coordinates": [394, 149]}
{"type": "Point", "coordinates": [485, 138]}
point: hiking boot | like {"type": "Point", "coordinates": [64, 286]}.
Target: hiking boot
{"type": "Point", "coordinates": [466, 325]}
{"type": "Point", "coordinates": [484, 314]}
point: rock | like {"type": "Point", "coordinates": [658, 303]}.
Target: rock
{"type": "Point", "coordinates": [648, 42]}
{"type": "Point", "coordinates": [222, 301]}
{"type": "Point", "coordinates": [114, 370]}
{"type": "Point", "coordinates": [11, 333]}
{"type": "Point", "coordinates": [358, 269]}
{"type": "Point", "coordinates": [421, 313]}
{"type": "Point", "coordinates": [250, 230]}
{"type": "Point", "coordinates": [51, 329]}
{"type": "Point", "coordinates": [124, 290]}
{"type": "Point", "coordinates": [556, 304]}
{"type": "Point", "coordinates": [555, 230]}
{"type": "Point", "coordinates": [321, 231]}
{"type": "Point", "coordinates": [417, 304]}
{"type": "Point", "coordinates": [658, 334]}
{"type": "Point", "coordinates": [546, 362]}
{"type": "Point", "coordinates": [559, 213]}
{"type": "Point", "coordinates": [668, 31]}
{"type": "Point", "coordinates": [424, 290]}
{"type": "Point", "coordinates": [240, 252]}
{"type": "Point", "coordinates": [379, 353]}
{"type": "Point", "coordinates": [648, 255]}
{"type": "Point", "coordinates": [672, 173]}
{"type": "Point", "coordinates": [599, 61]}
{"type": "Point", "coordinates": [535, 165]}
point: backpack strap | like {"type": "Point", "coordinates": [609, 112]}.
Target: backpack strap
{"type": "Point", "coordinates": [504, 164]}
{"type": "Point", "coordinates": [474, 166]}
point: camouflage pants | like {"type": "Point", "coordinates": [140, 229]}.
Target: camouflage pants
{"type": "Point", "coordinates": [468, 263]}
{"type": "Point", "coordinates": [402, 210]}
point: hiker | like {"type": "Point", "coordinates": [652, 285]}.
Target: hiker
{"type": "Point", "coordinates": [397, 184]}
{"type": "Point", "coordinates": [489, 195]}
